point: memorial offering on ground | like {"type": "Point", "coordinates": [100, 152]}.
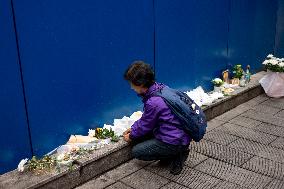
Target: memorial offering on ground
{"type": "Point", "coordinates": [79, 146]}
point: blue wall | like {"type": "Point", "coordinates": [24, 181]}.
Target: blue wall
{"type": "Point", "coordinates": [73, 61]}
{"type": "Point", "coordinates": [279, 38]}
{"type": "Point", "coordinates": [191, 41]}
{"type": "Point", "coordinates": [73, 55]}
{"type": "Point", "coordinates": [14, 139]}
{"type": "Point", "coordinates": [251, 32]}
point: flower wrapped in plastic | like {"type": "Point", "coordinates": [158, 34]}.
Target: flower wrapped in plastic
{"type": "Point", "coordinates": [273, 81]}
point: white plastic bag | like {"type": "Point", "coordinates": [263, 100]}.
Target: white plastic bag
{"type": "Point", "coordinates": [273, 84]}
{"type": "Point", "coordinates": [201, 98]}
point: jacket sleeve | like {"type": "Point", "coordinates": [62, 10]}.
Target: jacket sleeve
{"type": "Point", "coordinates": [147, 122]}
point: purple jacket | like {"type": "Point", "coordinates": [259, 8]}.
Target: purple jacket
{"type": "Point", "coordinates": [158, 119]}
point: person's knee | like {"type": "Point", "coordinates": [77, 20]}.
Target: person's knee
{"type": "Point", "coordinates": [147, 150]}
{"type": "Point", "coordinates": [137, 153]}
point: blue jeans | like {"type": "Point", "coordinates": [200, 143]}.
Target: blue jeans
{"type": "Point", "coordinates": [153, 149]}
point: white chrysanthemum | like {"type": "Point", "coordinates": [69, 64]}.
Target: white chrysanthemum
{"type": "Point", "coordinates": [273, 62]}
{"type": "Point", "coordinates": [92, 132]}
{"type": "Point", "coordinates": [270, 56]}
{"type": "Point", "coordinates": [106, 126]}
{"type": "Point", "coordinates": [217, 80]}
{"type": "Point", "coordinates": [21, 164]}
{"type": "Point", "coordinates": [281, 64]}
{"type": "Point", "coordinates": [265, 62]}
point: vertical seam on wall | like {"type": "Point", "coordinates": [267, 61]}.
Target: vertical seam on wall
{"type": "Point", "coordinates": [276, 26]}
{"type": "Point", "coordinates": [21, 74]}
{"type": "Point", "coordinates": [154, 36]}
{"type": "Point", "coordinates": [228, 31]}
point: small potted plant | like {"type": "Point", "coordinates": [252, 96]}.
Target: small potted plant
{"type": "Point", "coordinates": [238, 72]}
{"type": "Point", "coordinates": [217, 82]}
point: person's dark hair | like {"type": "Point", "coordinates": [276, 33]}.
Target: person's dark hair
{"type": "Point", "coordinates": [141, 74]}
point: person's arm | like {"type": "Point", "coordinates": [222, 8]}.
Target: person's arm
{"type": "Point", "coordinates": [147, 122]}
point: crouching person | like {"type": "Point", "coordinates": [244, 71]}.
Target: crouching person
{"type": "Point", "coordinates": [157, 135]}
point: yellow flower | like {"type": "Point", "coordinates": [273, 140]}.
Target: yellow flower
{"type": "Point", "coordinates": [99, 129]}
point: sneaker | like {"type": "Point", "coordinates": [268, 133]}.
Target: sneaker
{"type": "Point", "coordinates": [185, 155]}
{"type": "Point", "coordinates": [178, 163]}
{"type": "Point", "coordinates": [176, 167]}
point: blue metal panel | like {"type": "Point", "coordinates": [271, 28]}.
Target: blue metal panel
{"type": "Point", "coordinates": [14, 140]}
{"type": "Point", "coordinates": [74, 54]}
{"type": "Point", "coordinates": [279, 38]}
{"type": "Point", "coordinates": [191, 41]}
{"type": "Point", "coordinates": [252, 31]}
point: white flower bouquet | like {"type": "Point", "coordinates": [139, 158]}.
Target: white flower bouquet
{"type": "Point", "coordinates": [274, 64]}
{"type": "Point", "coordinates": [273, 81]}
{"type": "Point", "coordinates": [217, 82]}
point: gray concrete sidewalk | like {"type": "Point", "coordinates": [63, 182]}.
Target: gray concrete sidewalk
{"type": "Point", "coordinates": [243, 148]}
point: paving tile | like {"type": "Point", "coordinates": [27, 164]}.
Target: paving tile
{"type": "Point", "coordinates": [145, 179]}
{"type": "Point", "coordinates": [278, 143]}
{"type": "Point", "coordinates": [280, 114]}
{"type": "Point", "coordinates": [247, 133]}
{"type": "Point", "coordinates": [275, 102]}
{"type": "Point", "coordinates": [257, 100]}
{"type": "Point", "coordinates": [228, 185]}
{"type": "Point", "coordinates": [248, 179]}
{"type": "Point", "coordinates": [273, 154]}
{"type": "Point", "coordinates": [98, 182]}
{"type": "Point", "coordinates": [173, 185]}
{"type": "Point", "coordinates": [221, 152]}
{"type": "Point", "coordinates": [215, 168]}
{"type": "Point", "coordinates": [266, 109]}
{"type": "Point", "coordinates": [266, 167]}
{"type": "Point", "coordinates": [258, 150]}
{"type": "Point", "coordinates": [234, 156]}
{"type": "Point", "coordinates": [233, 113]}
{"type": "Point", "coordinates": [233, 174]}
{"type": "Point", "coordinates": [242, 108]}
{"type": "Point", "coordinates": [275, 184]}
{"type": "Point", "coordinates": [270, 129]}
{"type": "Point", "coordinates": [118, 185]}
{"type": "Point", "coordinates": [188, 177]}
{"type": "Point", "coordinates": [248, 146]}
{"type": "Point", "coordinates": [207, 148]}
{"type": "Point", "coordinates": [220, 137]}
{"type": "Point", "coordinates": [245, 122]}
{"type": "Point", "coordinates": [126, 169]}
{"type": "Point", "coordinates": [194, 159]}
{"type": "Point", "coordinates": [264, 117]}
{"type": "Point", "coordinates": [214, 123]}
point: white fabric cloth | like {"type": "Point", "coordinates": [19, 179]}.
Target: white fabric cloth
{"type": "Point", "coordinates": [120, 125]}
{"type": "Point", "coordinates": [273, 84]}
{"type": "Point", "coordinates": [201, 98]}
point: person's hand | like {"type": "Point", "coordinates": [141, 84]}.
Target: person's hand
{"type": "Point", "coordinates": [126, 137]}
{"type": "Point", "coordinates": [127, 131]}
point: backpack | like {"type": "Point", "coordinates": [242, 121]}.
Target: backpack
{"type": "Point", "coordinates": [193, 120]}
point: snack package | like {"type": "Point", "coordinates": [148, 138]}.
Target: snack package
{"type": "Point", "coordinates": [80, 139]}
